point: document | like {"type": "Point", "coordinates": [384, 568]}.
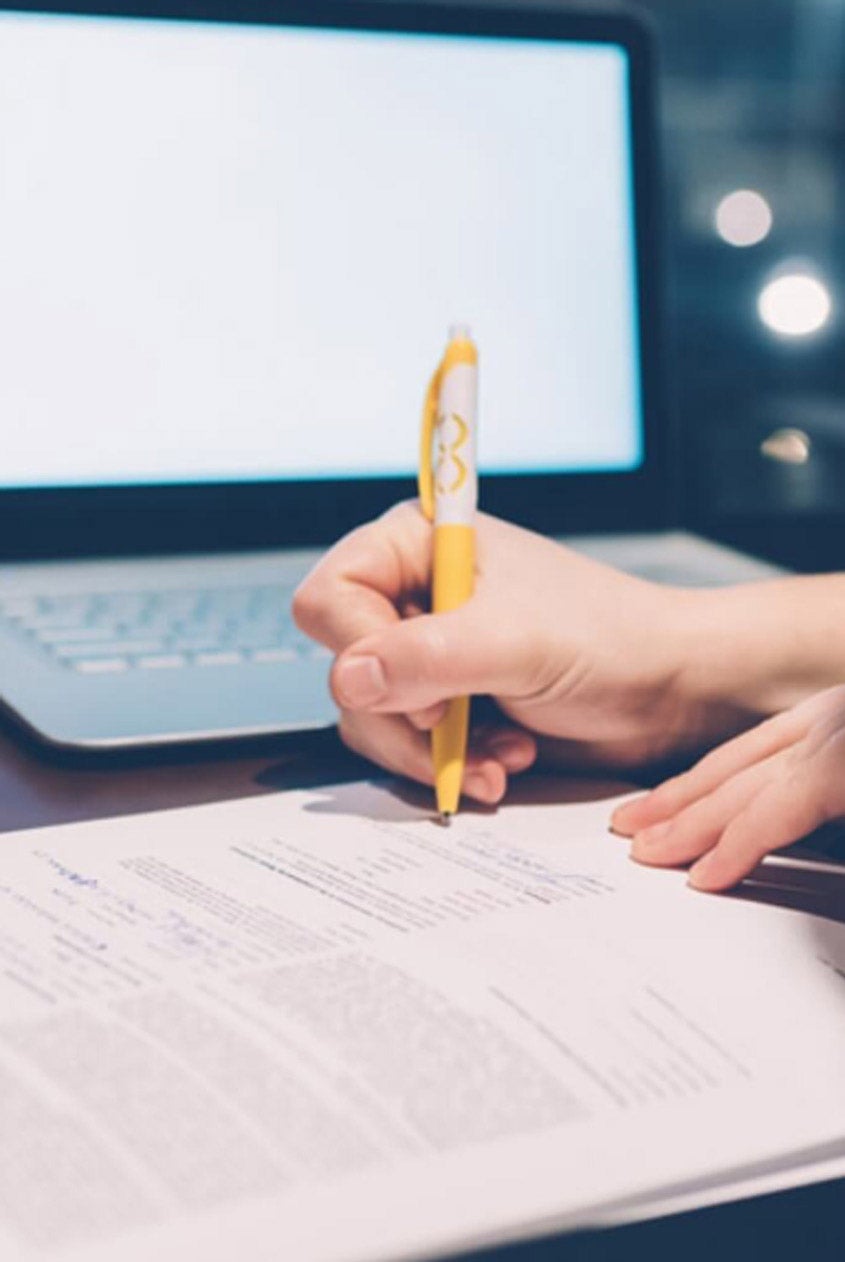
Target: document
{"type": "Point", "coordinates": [317, 1025]}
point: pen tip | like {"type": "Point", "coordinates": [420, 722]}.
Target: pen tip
{"type": "Point", "coordinates": [445, 818]}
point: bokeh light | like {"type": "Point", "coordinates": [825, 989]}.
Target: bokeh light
{"type": "Point", "coordinates": [787, 446]}
{"type": "Point", "coordinates": [795, 304]}
{"type": "Point", "coordinates": [743, 217]}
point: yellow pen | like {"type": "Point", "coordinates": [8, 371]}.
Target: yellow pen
{"type": "Point", "coordinates": [448, 486]}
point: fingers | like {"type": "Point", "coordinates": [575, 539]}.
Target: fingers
{"type": "Point", "coordinates": [394, 744]}
{"type": "Point", "coordinates": [760, 809]}
{"type": "Point", "coordinates": [782, 812]}
{"type": "Point", "coordinates": [419, 663]}
{"type": "Point", "coordinates": [675, 795]}
{"type": "Point", "coordinates": [698, 827]}
{"type": "Point", "coordinates": [356, 601]}
{"type": "Point", "coordinates": [397, 665]}
{"type": "Point", "coordinates": [363, 582]}
{"type": "Point", "coordinates": [788, 808]}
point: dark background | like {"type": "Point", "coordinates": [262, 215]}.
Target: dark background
{"type": "Point", "coordinates": [753, 96]}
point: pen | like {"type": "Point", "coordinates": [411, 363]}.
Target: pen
{"type": "Point", "coordinates": [448, 487]}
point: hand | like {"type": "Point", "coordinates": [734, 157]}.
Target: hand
{"type": "Point", "coordinates": [761, 791]}
{"type": "Point", "coordinates": [580, 658]}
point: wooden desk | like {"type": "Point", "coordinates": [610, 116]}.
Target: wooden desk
{"type": "Point", "coordinates": [40, 787]}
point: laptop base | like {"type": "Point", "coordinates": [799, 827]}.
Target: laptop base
{"type": "Point", "coordinates": [105, 655]}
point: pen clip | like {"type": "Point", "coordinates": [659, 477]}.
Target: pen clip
{"type": "Point", "coordinates": [425, 480]}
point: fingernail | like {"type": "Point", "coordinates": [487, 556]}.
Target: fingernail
{"type": "Point", "coordinates": [360, 682]}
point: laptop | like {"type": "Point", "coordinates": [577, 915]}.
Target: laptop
{"type": "Point", "coordinates": [233, 237]}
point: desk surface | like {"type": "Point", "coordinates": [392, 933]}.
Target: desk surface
{"type": "Point", "coordinates": [38, 789]}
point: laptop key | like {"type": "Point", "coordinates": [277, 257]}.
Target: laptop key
{"type": "Point", "coordinates": [75, 635]}
{"type": "Point", "coordinates": [106, 649]}
{"type": "Point", "coordinates": [54, 620]}
{"type": "Point", "coordinates": [223, 658]}
{"type": "Point", "coordinates": [101, 665]}
{"type": "Point", "coordinates": [274, 655]}
{"type": "Point", "coordinates": [102, 632]}
{"type": "Point", "coordinates": [193, 644]}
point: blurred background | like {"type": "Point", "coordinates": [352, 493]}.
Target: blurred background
{"type": "Point", "coordinates": [753, 119]}
{"type": "Point", "coordinates": [752, 114]}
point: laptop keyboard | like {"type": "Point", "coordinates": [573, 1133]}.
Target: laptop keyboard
{"type": "Point", "coordinates": [110, 632]}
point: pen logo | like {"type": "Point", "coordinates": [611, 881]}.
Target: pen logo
{"type": "Point", "coordinates": [450, 471]}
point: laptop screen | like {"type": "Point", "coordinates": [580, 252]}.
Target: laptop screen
{"type": "Point", "coordinates": [233, 252]}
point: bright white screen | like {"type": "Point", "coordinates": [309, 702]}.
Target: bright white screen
{"type": "Point", "coordinates": [233, 252]}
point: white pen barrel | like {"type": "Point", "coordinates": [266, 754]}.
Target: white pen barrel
{"type": "Point", "coordinates": [455, 472]}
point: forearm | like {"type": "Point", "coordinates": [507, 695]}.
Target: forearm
{"type": "Point", "coordinates": [754, 650]}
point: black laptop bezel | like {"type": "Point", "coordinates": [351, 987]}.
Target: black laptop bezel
{"type": "Point", "coordinates": [136, 519]}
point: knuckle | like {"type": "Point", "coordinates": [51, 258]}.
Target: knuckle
{"type": "Point", "coordinates": [361, 538]}
{"type": "Point", "coordinates": [404, 513]}
{"type": "Point", "coordinates": [308, 604]}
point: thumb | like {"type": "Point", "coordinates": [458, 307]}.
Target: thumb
{"type": "Point", "coordinates": [422, 661]}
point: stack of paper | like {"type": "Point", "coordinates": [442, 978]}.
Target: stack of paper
{"type": "Point", "coordinates": [317, 1025]}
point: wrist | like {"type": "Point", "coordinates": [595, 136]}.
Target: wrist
{"type": "Point", "coordinates": [724, 671]}
{"type": "Point", "coordinates": [750, 651]}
